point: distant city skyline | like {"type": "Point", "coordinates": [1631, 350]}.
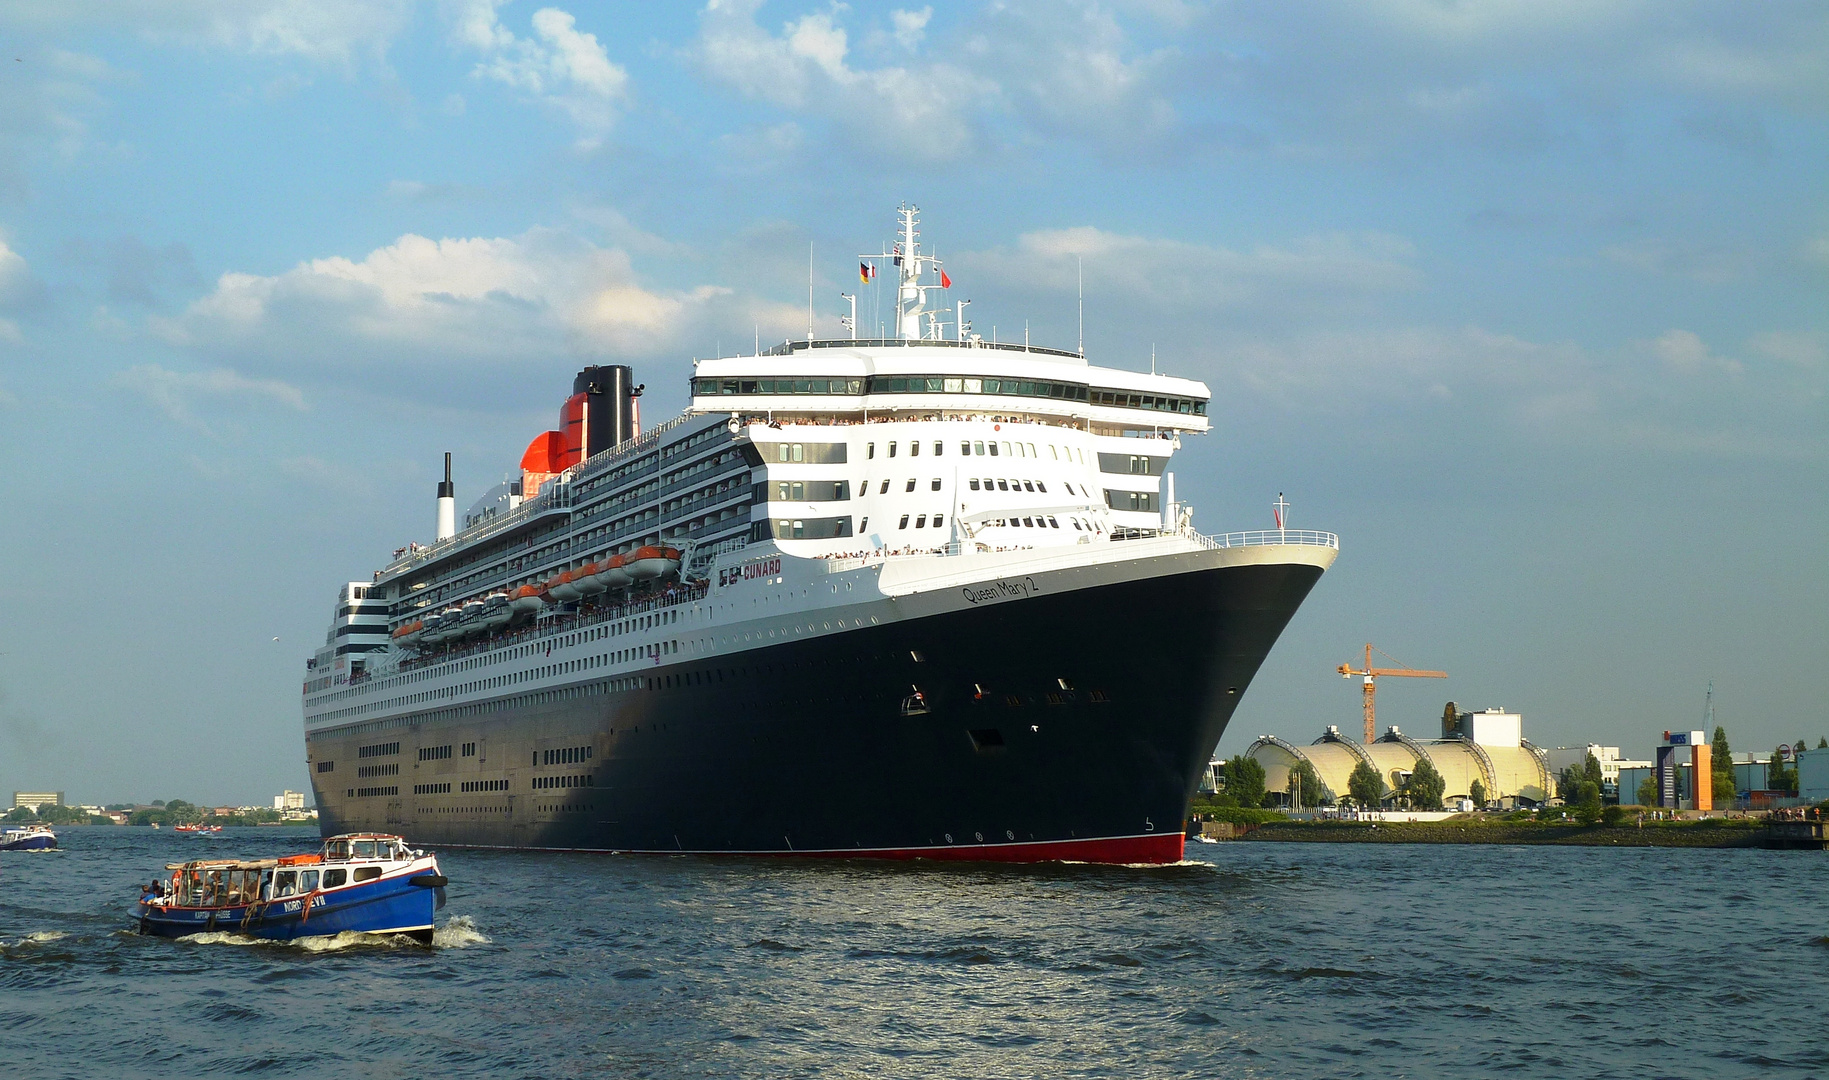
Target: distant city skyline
{"type": "Point", "coordinates": [1525, 301]}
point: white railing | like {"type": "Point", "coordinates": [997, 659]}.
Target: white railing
{"type": "Point", "coordinates": [1267, 538]}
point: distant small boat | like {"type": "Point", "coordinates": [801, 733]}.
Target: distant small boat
{"type": "Point", "coordinates": [28, 838]}
{"type": "Point", "coordinates": [360, 882]}
{"type": "Point", "coordinates": [198, 829]}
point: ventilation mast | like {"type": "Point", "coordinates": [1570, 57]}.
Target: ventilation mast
{"type": "Point", "coordinates": [447, 504]}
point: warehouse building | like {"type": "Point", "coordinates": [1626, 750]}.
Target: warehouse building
{"type": "Point", "coordinates": [1487, 746]}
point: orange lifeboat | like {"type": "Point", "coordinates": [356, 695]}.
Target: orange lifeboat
{"type": "Point", "coordinates": [613, 572]}
{"type": "Point", "coordinates": [587, 579]}
{"type": "Point", "coordinates": [648, 563]}
{"type": "Point", "coordinates": [526, 600]}
{"type": "Point", "coordinates": [562, 587]}
{"type": "Point", "coordinates": [409, 633]}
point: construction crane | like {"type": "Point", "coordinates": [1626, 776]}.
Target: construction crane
{"type": "Point", "coordinates": [1370, 674]}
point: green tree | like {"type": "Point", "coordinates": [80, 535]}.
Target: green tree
{"type": "Point", "coordinates": [1778, 777]}
{"type": "Point", "coordinates": [1568, 784]}
{"type": "Point", "coordinates": [1366, 786]}
{"type": "Point", "coordinates": [1822, 742]}
{"type": "Point", "coordinates": [1305, 782]}
{"type": "Point", "coordinates": [1648, 791]}
{"type": "Point", "coordinates": [1612, 814]}
{"type": "Point", "coordinates": [20, 815]}
{"type": "Point", "coordinates": [1587, 802]}
{"type": "Point", "coordinates": [1245, 779]}
{"type": "Point", "coordinates": [1590, 770]}
{"type": "Point", "coordinates": [1426, 786]}
{"type": "Point", "coordinates": [1477, 792]}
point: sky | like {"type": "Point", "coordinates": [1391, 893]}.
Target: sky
{"type": "Point", "coordinates": [1528, 301]}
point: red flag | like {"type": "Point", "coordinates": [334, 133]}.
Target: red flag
{"type": "Point", "coordinates": [945, 282]}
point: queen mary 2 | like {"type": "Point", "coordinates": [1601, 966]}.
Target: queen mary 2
{"type": "Point", "coordinates": [924, 596]}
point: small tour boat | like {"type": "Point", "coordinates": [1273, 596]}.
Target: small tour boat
{"type": "Point", "coordinates": [197, 830]}
{"type": "Point", "coordinates": [28, 838]}
{"type": "Point", "coordinates": [362, 882]}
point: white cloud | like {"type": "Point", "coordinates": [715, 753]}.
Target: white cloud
{"type": "Point", "coordinates": [911, 26]}
{"type": "Point", "coordinates": [929, 109]}
{"type": "Point", "coordinates": [179, 394]}
{"type": "Point", "coordinates": [1708, 263]}
{"type": "Point", "coordinates": [324, 31]}
{"type": "Point", "coordinates": [560, 65]}
{"type": "Point", "coordinates": [451, 305]}
{"type": "Point", "coordinates": [1173, 275]}
{"type": "Point", "coordinates": [1798, 349]}
{"type": "Point", "coordinates": [1685, 351]}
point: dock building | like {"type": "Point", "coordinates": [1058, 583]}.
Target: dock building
{"type": "Point", "coordinates": [1488, 746]}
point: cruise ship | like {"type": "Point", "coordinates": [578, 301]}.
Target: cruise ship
{"type": "Point", "coordinates": [920, 596]}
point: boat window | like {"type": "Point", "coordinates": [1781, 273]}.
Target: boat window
{"type": "Point", "coordinates": [903, 524]}
{"type": "Point", "coordinates": [337, 849]}
{"type": "Point", "coordinates": [885, 488]}
{"type": "Point", "coordinates": [1026, 486]}
{"type": "Point", "coordinates": [307, 880]}
{"type": "Point", "coordinates": [869, 450]}
{"type": "Point", "coordinates": [977, 448]}
{"type": "Point", "coordinates": [334, 878]}
{"type": "Point", "coordinates": [974, 484]}
{"type": "Point", "coordinates": [1006, 449]}
{"type": "Point", "coordinates": [363, 849]}
{"type": "Point", "coordinates": [367, 873]}
{"type": "Point", "coordinates": [939, 519]}
{"type": "Point", "coordinates": [892, 448]}
{"type": "Point", "coordinates": [939, 448]}
{"type": "Point", "coordinates": [914, 448]}
{"type": "Point", "coordinates": [965, 448]}
{"type": "Point", "coordinates": [1033, 452]}
{"type": "Point", "coordinates": [1002, 486]}
{"type": "Point", "coordinates": [921, 522]}
{"type": "Point", "coordinates": [936, 484]}
{"type": "Point", "coordinates": [911, 485]}
{"type": "Point", "coordinates": [285, 883]}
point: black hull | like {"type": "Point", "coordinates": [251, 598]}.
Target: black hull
{"type": "Point", "coordinates": [1074, 724]}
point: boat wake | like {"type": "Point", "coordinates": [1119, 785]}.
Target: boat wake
{"type": "Point", "coordinates": [458, 932]}
{"type": "Point", "coordinates": [36, 937]}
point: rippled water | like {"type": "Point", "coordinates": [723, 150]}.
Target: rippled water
{"type": "Point", "coordinates": [1250, 960]}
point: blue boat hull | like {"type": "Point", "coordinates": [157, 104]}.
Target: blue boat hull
{"type": "Point", "coordinates": [31, 843]}
{"type": "Point", "coordinates": [389, 906]}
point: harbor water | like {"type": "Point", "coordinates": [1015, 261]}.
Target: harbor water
{"type": "Point", "coordinates": [1248, 960]}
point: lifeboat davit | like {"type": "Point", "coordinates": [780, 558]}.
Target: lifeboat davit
{"type": "Point", "coordinates": [526, 600]}
{"type": "Point", "coordinates": [448, 625]}
{"type": "Point", "coordinates": [650, 563]}
{"type": "Point", "coordinates": [497, 611]}
{"type": "Point", "coordinates": [587, 580]}
{"type": "Point", "coordinates": [562, 587]}
{"type": "Point", "coordinates": [613, 573]}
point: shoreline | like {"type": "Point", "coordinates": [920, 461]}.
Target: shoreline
{"type": "Point", "coordinates": [1707, 834]}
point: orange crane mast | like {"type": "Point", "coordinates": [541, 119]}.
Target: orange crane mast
{"type": "Point", "coordinates": [1371, 674]}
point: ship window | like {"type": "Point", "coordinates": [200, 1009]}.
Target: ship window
{"type": "Point", "coordinates": [869, 451]}
{"type": "Point", "coordinates": [965, 448]}
{"type": "Point", "coordinates": [974, 484]}
{"type": "Point", "coordinates": [892, 448]}
{"type": "Point", "coordinates": [885, 488]}
{"type": "Point", "coordinates": [952, 386]}
{"type": "Point", "coordinates": [1003, 485]}
{"type": "Point", "coordinates": [993, 448]}
{"type": "Point", "coordinates": [334, 878]}
{"type": "Point", "coordinates": [921, 522]}
{"type": "Point", "coordinates": [327, 766]}
{"type": "Point", "coordinates": [1053, 454]}
{"type": "Point", "coordinates": [914, 448]}
{"type": "Point", "coordinates": [903, 524]}
{"type": "Point", "coordinates": [936, 484]}
{"type": "Point", "coordinates": [939, 448]}
{"type": "Point", "coordinates": [1053, 524]}
{"type": "Point", "coordinates": [307, 880]}
{"type": "Point", "coordinates": [367, 873]}
{"type": "Point", "coordinates": [978, 448]}
{"type": "Point", "coordinates": [939, 519]}
{"type": "Point", "coordinates": [863, 524]}
{"type": "Point", "coordinates": [1026, 486]}
{"type": "Point", "coordinates": [911, 485]}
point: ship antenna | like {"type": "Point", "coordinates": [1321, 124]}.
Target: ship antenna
{"type": "Point", "coordinates": [1082, 265]}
